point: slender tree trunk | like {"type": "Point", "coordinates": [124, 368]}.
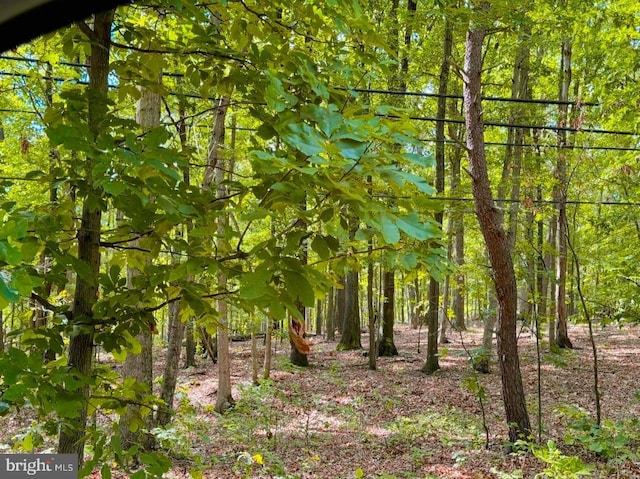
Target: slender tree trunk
{"type": "Point", "coordinates": [482, 363]}
{"type": "Point", "coordinates": [72, 433]}
{"type": "Point", "coordinates": [350, 338]}
{"type": "Point", "coordinates": [444, 310]}
{"type": "Point", "coordinates": [268, 349]}
{"type": "Point", "coordinates": [458, 232]}
{"type": "Point", "coordinates": [431, 364]}
{"type": "Point", "coordinates": [176, 327]}
{"type": "Point", "coordinates": [373, 316]}
{"type": "Point", "coordinates": [340, 305]}
{"type": "Point", "coordinates": [140, 366]}
{"type": "Point", "coordinates": [170, 375]}
{"type": "Point", "coordinates": [331, 315]}
{"type": "Point", "coordinates": [215, 173]}
{"type": "Point", "coordinates": [495, 238]}
{"type": "Point", "coordinates": [189, 345]}
{"type": "Point", "coordinates": [319, 317]}
{"type": "Point", "coordinates": [560, 196]}
{"type": "Point", "coordinates": [387, 346]}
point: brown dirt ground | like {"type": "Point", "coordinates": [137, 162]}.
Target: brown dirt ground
{"type": "Point", "coordinates": [335, 416]}
{"type": "Point", "coordinates": [338, 419]}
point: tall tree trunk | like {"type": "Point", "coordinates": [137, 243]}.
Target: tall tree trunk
{"type": "Point", "coordinates": [373, 316]}
{"type": "Point", "coordinates": [511, 167]}
{"type": "Point", "coordinates": [268, 349]}
{"type": "Point", "coordinates": [387, 346]}
{"type": "Point", "coordinates": [431, 364]}
{"type": "Point", "coordinates": [170, 375]}
{"type": "Point", "coordinates": [458, 228]}
{"type": "Point", "coordinates": [189, 345]}
{"type": "Point", "coordinates": [490, 220]}
{"type": "Point", "coordinates": [339, 305]}
{"type": "Point", "coordinates": [482, 362]}
{"type": "Point", "coordinates": [331, 315]}
{"type": "Point", "coordinates": [444, 310]}
{"type": "Point", "coordinates": [416, 321]}
{"type": "Point", "coordinates": [140, 366]}
{"type": "Point", "coordinates": [215, 173]}
{"type": "Point", "coordinates": [350, 338]}
{"type": "Point", "coordinates": [176, 327]}
{"type": "Point", "coordinates": [72, 433]}
{"type": "Point", "coordinates": [560, 196]}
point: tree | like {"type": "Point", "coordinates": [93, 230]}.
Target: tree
{"type": "Point", "coordinates": [560, 195]}
{"type": "Point", "coordinates": [431, 364]}
{"type": "Point", "coordinates": [495, 238]}
{"type": "Point", "coordinates": [80, 357]}
{"type": "Point", "coordinates": [139, 366]}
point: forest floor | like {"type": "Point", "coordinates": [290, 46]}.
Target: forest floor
{"type": "Point", "coordinates": [339, 419]}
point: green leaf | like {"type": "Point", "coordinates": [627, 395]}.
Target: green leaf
{"type": "Point", "coordinates": [9, 295]}
{"type": "Point", "coordinates": [298, 287]}
{"type": "Point", "coordinates": [390, 231]}
{"type": "Point", "coordinates": [10, 253]}
{"type": "Point", "coordinates": [21, 282]}
{"type": "Point", "coordinates": [105, 471]}
{"type": "Point", "coordinates": [319, 245]}
{"type": "Point", "coordinates": [276, 96]}
{"type": "Point", "coordinates": [418, 181]}
{"type": "Point", "coordinates": [304, 138]}
{"type": "Point", "coordinates": [412, 226]}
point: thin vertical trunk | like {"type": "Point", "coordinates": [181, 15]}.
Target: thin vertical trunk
{"type": "Point", "coordinates": [41, 315]}
{"type": "Point", "coordinates": [458, 230]}
{"type": "Point", "coordinates": [340, 305]}
{"type": "Point", "coordinates": [267, 349]}
{"type": "Point", "coordinates": [254, 358]}
{"type": "Point", "coordinates": [387, 346]}
{"type": "Point", "coordinates": [431, 364]}
{"type": "Point", "coordinates": [416, 321]}
{"type": "Point", "coordinates": [215, 173]}
{"type": "Point", "coordinates": [140, 366]}
{"type": "Point", "coordinates": [331, 315]}
{"type": "Point", "coordinates": [482, 362]}
{"type": "Point", "coordinates": [373, 317]}
{"type": "Point", "coordinates": [72, 433]}
{"type": "Point", "coordinates": [560, 196]}
{"type": "Point", "coordinates": [444, 310]}
{"type": "Point", "coordinates": [170, 374]}
{"type": "Point", "coordinates": [189, 345]}
{"type": "Point", "coordinates": [491, 224]}
{"type": "Point", "coordinates": [176, 327]}
{"type": "Point", "coordinates": [350, 338]}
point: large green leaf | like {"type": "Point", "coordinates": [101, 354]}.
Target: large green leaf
{"type": "Point", "coordinates": [414, 228]}
{"type": "Point", "coordinates": [390, 231]}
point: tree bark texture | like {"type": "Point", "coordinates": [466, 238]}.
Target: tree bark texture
{"type": "Point", "coordinates": [72, 433]}
{"type": "Point", "coordinates": [373, 316]}
{"type": "Point", "coordinates": [350, 338]}
{"type": "Point", "coordinates": [215, 173]}
{"type": "Point", "coordinates": [431, 364]}
{"type": "Point", "coordinates": [140, 366]}
{"type": "Point", "coordinates": [560, 196]}
{"type": "Point", "coordinates": [170, 375]}
{"type": "Point", "coordinates": [387, 346]}
{"type": "Point", "coordinates": [490, 220]}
